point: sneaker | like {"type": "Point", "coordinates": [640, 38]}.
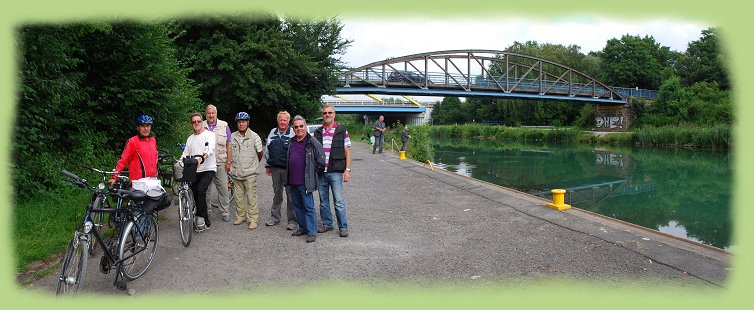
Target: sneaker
{"type": "Point", "coordinates": [344, 232]}
{"type": "Point", "coordinates": [199, 221]}
{"type": "Point", "coordinates": [238, 222]}
{"type": "Point", "coordinates": [298, 233]}
{"type": "Point", "coordinates": [292, 226]}
{"type": "Point", "coordinates": [271, 223]}
{"type": "Point", "coordinates": [206, 222]}
{"type": "Point", "coordinates": [253, 225]}
{"type": "Point", "coordinates": [310, 238]}
{"type": "Point", "coordinates": [324, 229]}
{"type": "Point", "coordinates": [226, 218]}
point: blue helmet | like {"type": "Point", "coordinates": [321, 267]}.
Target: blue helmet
{"type": "Point", "coordinates": [144, 119]}
{"type": "Point", "coordinates": [242, 116]}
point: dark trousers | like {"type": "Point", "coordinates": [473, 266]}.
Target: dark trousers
{"type": "Point", "coordinates": [378, 141]}
{"type": "Point", "coordinates": [199, 187]}
{"type": "Point", "coordinates": [403, 147]}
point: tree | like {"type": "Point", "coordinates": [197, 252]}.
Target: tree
{"type": "Point", "coordinates": [260, 65]}
{"type": "Point", "coordinates": [671, 107]}
{"type": "Point", "coordinates": [82, 86]}
{"type": "Point", "coordinates": [704, 61]}
{"type": "Point", "coordinates": [633, 61]}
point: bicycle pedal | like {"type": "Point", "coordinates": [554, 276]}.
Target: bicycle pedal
{"type": "Point", "coordinates": [104, 265]}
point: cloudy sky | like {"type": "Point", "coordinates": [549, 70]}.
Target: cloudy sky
{"type": "Point", "coordinates": [378, 39]}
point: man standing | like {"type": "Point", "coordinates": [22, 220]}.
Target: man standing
{"type": "Point", "coordinates": [201, 142]}
{"type": "Point", "coordinates": [404, 137]}
{"type": "Point", "coordinates": [379, 134]}
{"type": "Point", "coordinates": [276, 160]}
{"type": "Point", "coordinates": [247, 146]}
{"type": "Point", "coordinates": [305, 161]}
{"type": "Point", "coordinates": [337, 146]}
{"type": "Point", "coordinates": [224, 158]}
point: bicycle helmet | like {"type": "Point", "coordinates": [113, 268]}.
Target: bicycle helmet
{"type": "Point", "coordinates": [242, 116]}
{"type": "Point", "coordinates": [144, 119]}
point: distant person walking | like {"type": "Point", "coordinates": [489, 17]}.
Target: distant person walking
{"type": "Point", "coordinates": [337, 146]}
{"type": "Point", "coordinates": [306, 160]}
{"type": "Point", "coordinates": [276, 160]}
{"type": "Point", "coordinates": [404, 137]}
{"type": "Point", "coordinates": [248, 150]}
{"type": "Point", "coordinates": [379, 134]}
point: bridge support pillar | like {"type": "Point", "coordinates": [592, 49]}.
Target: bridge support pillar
{"type": "Point", "coordinates": [613, 118]}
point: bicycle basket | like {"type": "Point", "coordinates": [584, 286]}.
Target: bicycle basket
{"type": "Point", "coordinates": [185, 170]}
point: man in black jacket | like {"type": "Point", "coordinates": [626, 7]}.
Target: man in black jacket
{"type": "Point", "coordinates": [337, 146]}
{"type": "Point", "coordinates": [276, 160]}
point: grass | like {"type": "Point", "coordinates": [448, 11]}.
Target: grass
{"type": "Point", "coordinates": [44, 224]}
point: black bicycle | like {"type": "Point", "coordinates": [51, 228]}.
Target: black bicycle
{"type": "Point", "coordinates": [184, 171]}
{"type": "Point", "coordinates": [130, 248]}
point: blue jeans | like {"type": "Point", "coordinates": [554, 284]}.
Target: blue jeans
{"type": "Point", "coordinates": [327, 181]}
{"type": "Point", "coordinates": [303, 205]}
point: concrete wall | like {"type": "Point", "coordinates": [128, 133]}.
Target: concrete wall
{"type": "Point", "coordinates": [608, 118]}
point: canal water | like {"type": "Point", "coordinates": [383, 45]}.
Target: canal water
{"type": "Point", "coordinates": [682, 192]}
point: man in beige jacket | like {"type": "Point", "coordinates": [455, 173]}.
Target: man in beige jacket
{"type": "Point", "coordinates": [247, 148]}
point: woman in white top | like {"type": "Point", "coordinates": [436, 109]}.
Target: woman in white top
{"type": "Point", "coordinates": [201, 142]}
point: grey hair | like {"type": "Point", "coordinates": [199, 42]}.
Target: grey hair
{"type": "Point", "coordinates": [299, 118]}
{"type": "Point", "coordinates": [209, 106]}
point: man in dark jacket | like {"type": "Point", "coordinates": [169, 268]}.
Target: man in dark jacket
{"type": "Point", "coordinates": [337, 146]}
{"type": "Point", "coordinates": [276, 155]}
{"type": "Point", "coordinates": [305, 161]}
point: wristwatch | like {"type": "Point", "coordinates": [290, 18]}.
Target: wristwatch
{"type": "Point", "coordinates": [348, 169]}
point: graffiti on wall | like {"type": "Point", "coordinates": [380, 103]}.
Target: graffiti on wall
{"type": "Point", "coordinates": [609, 122]}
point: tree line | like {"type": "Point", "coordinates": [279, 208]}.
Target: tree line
{"type": "Point", "coordinates": [82, 84]}
{"type": "Point", "coordinates": [693, 86]}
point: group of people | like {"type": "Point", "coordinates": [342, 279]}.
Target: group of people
{"type": "Point", "coordinates": [298, 163]}
{"type": "Point", "coordinates": [379, 135]}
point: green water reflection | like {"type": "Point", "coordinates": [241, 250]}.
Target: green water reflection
{"type": "Point", "coordinates": [686, 193]}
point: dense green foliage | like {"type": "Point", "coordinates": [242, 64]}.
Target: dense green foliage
{"type": "Point", "coordinates": [82, 86]}
{"type": "Point", "coordinates": [262, 65]}
{"type": "Point", "coordinates": [693, 87]}
{"type": "Point", "coordinates": [718, 137]}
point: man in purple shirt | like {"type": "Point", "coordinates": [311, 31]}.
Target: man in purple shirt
{"type": "Point", "coordinates": [306, 160]}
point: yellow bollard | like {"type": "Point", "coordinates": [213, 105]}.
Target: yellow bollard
{"type": "Point", "coordinates": [402, 155]}
{"type": "Point", "coordinates": [558, 198]}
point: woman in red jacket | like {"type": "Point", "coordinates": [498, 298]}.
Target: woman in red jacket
{"type": "Point", "coordinates": [140, 153]}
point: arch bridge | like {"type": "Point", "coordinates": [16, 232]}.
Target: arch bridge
{"type": "Point", "coordinates": [480, 73]}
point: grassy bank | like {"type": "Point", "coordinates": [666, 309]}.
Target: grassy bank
{"type": "Point", "coordinates": [44, 224]}
{"type": "Point", "coordinates": [717, 137]}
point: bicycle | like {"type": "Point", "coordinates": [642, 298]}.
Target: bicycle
{"type": "Point", "coordinates": [130, 249]}
{"type": "Point", "coordinates": [185, 172]}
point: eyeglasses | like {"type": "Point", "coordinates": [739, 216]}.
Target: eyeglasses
{"type": "Point", "coordinates": [196, 122]}
{"type": "Point", "coordinates": [299, 126]}
{"type": "Point", "coordinates": [328, 112]}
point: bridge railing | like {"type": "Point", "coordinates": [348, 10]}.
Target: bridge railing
{"type": "Point", "coordinates": [491, 83]}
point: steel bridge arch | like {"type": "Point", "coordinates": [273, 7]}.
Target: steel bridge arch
{"type": "Point", "coordinates": [517, 75]}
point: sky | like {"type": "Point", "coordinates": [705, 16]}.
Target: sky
{"type": "Point", "coordinates": [379, 39]}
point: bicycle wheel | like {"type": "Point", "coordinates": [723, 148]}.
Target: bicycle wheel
{"type": "Point", "coordinates": [97, 219]}
{"type": "Point", "coordinates": [137, 250]}
{"type": "Point", "coordinates": [73, 268]}
{"type": "Point", "coordinates": [185, 217]}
